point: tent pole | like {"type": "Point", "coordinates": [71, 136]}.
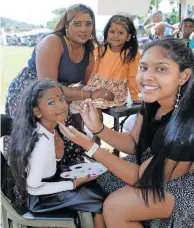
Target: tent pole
{"type": "Point", "coordinates": [180, 6]}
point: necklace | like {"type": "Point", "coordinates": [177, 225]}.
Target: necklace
{"type": "Point", "coordinates": [76, 55]}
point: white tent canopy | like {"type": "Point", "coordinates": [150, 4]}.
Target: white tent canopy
{"type": "Point", "coordinates": [133, 7]}
{"type": "Point", "coordinates": [188, 2]}
{"type": "Point", "coordinates": [136, 7]}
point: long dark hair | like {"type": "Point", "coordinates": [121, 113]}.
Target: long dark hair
{"type": "Point", "coordinates": [130, 47]}
{"type": "Point", "coordinates": [23, 136]}
{"type": "Point", "coordinates": [180, 128]}
{"type": "Point", "coordinates": [69, 15]}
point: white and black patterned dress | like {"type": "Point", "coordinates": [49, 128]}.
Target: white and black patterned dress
{"type": "Point", "coordinates": [182, 188]}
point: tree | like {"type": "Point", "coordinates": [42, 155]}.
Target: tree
{"type": "Point", "coordinates": [15, 28]}
{"type": "Point", "coordinates": [58, 13]}
{"type": "Point", "coordinates": [174, 17]}
{"type": "Point", "coordinates": [10, 25]}
{"type": "Point", "coordinates": [155, 3]}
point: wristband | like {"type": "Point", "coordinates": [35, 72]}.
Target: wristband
{"type": "Point", "coordinates": [99, 131]}
{"type": "Point", "coordinates": [92, 150]}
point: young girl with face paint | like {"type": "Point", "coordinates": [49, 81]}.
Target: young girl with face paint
{"type": "Point", "coordinates": [33, 153]}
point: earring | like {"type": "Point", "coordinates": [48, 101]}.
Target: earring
{"type": "Point", "coordinates": [178, 97]}
{"type": "Point", "coordinates": [129, 38]}
{"type": "Point", "coordinates": [66, 32]}
{"type": "Point", "coordinates": [91, 37]}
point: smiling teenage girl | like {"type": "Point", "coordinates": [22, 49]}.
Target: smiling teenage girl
{"type": "Point", "coordinates": [158, 173]}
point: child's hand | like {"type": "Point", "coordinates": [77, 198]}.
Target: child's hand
{"type": "Point", "coordinates": [103, 93]}
{"type": "Point", "coordinates": [75, 136]}
{"type": "Point", "coordinates": [59, 146]}
{"type": "Point", "coordinates": [83, 180]}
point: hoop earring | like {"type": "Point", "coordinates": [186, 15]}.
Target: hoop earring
{"type": "Point", "coordinates": [39, 116]}
{"type": "Point", "coordinates": [129, 38]}
{"type": "Point", "coordinates": [178, 97]}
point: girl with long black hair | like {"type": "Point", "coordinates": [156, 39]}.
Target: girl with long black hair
{"type": "Point", "coordinates": [33, 155]}
{"type": "Point", "coordinates": [158, 172]}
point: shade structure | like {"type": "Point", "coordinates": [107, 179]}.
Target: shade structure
{"type": "Point", "coordinates": [133, 7]}
{"type": "Point", "coordinates": [188, 2]}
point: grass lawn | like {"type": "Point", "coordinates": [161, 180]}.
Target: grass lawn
{"type": "Point", "coordinates": [13, 59]}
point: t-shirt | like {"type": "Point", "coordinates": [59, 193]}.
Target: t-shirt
{"type": "Point", "coordinates": [153, 136]}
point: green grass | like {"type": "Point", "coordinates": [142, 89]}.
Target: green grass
{"type": "Point", "coordinates": [13, 59]}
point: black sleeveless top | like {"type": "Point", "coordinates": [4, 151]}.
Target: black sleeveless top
{"type": "Point", "coordinates": [68, 72]}
{"type": "Point", "coordinates": [153, 136]}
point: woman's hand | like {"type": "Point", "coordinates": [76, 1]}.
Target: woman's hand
{"type": "Point", "coordinates": [59, 146]}
{"type": "Point", "coordinates": [83, 180]}
{"type": "Point", "coordinates": [91, 116]}
{"type": "Point", "coordinates": [75, 136]}
{"type": "Point", "coordinates": [103, 93]}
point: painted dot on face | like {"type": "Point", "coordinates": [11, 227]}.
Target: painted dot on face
{"type": "Point", "coordinates": [80, 28]}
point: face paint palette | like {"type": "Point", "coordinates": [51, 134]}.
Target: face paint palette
{"type": "Point", "coordinates": [84, 169]}
{"type": "Point", "coordinates": [73, 174]}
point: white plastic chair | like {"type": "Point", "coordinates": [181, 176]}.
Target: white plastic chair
{"type": "Point", "coordinates": [75, 220]}
{"type": "Point", "coordinates": [65, 219]}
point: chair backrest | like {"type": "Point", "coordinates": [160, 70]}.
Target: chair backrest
{"type": "Point", "coordinates": [7, 179]}
{"type": "Point", "coordinates": [6, 123]}
{"type": "Point", "coordinates": [7, 205]}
